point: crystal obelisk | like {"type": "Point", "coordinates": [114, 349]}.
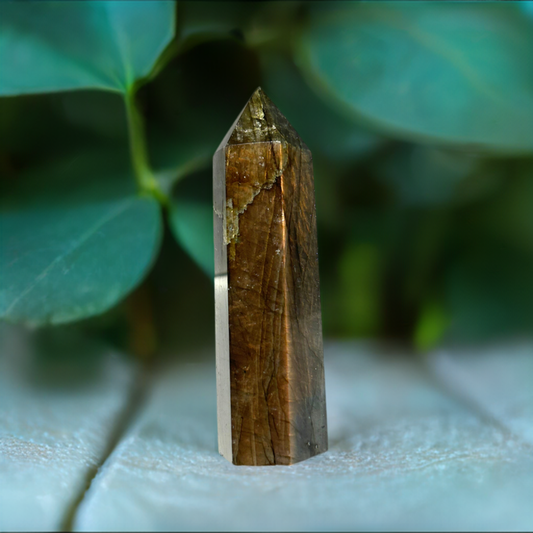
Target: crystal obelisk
{"type": "Point", "coordinates": [270, 363]}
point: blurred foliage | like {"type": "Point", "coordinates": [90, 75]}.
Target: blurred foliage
{"type": "Point", "coordinates": [419, 116]}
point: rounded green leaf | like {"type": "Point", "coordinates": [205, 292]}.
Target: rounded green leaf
{"type": "Point", "coordinates": [191, 219]}
{"type": "Point", "coordinates": [56, 46]}
{"type": "Point", "coordinates": [450, 72]}
{"type": "Point", "coordinates": [192, 225]}
{"type": "Point", "coordinates": [75, 240]}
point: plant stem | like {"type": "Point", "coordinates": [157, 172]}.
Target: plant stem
{"type": "Point", "coordinates": [144, 175]}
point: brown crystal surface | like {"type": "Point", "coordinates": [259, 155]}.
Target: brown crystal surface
{"type": "Point", "coordinates": [270, 297]}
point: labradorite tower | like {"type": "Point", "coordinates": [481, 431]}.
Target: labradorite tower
{"type": "Point", "coordinates": [270, 363]}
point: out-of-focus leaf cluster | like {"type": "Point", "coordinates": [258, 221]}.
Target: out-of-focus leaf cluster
{"type": "Point", "coordinates": [419, 116]}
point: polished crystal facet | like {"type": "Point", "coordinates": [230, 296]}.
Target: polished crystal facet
{"type": "Point", "coordinates": [270, 363]}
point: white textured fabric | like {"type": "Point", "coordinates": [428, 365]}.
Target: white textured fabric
{"type": "Point", "coordinates": [497, 379]}
{"type": "Point", "coordinates": [404, 454]}
{"type": "Point", "coordinates": [57, 415]}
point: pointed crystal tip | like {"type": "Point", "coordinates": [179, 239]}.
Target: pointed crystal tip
{"type": "Point", "coordinates": [261, 121]}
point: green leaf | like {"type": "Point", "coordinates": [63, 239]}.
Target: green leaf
{"type": "Point", "coordinates": [506, 216]}
{"type": "Point", "coordinates": [75, 240]}
{"type": "Point", "coordinates": [527, 8]}
{"type": "Point", "coordinates": [176, 157]}
{"type": "Point", "coordinates": [487, 269]}
{"type": "Point", "coordinates": [192, 225]}
{"type": "Point", "coordinates": [191, 219]}
{"type": "Point", "coordinates": [33, 127]}
{"type": "Point", "coordinates": [100, 113]}
{"type": "Point", "coordinates": [321, 128]}
{"type": "Point", "coordinates": [420, 175]}
{"type": "Point", "coordinates": [188, 108]}
{"type": "Point", "coordinates": [451, 72]}
{"type": "Point", "coordinates": [490, 292]}
{"type": "Point", "coordinates": [189, 118]}
{"type": "Point", "coordinates": [56, 46]}
{"type": "Point", "coordinates": [431, 326]}
{"type": "Point", "coordinates": [206, 21]}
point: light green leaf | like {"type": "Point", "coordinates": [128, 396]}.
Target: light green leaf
{"type": "Point", "coordinates": [74, 242]}
{"type": "Point", "coordinates": [432, 71]}
{"type": "Point", "coordinates": [527, 7]}
{"type": "Point", "coordinates": [56, 46]}
{"type": "Point", "coordinates": [361, 279]}
{"type": "Point", "coordinates": [191, 219]}
{"type": "Point", "coordinates": [431, 325]}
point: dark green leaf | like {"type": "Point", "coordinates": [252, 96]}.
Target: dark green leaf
{"type": "Point", "coordinates": [506, 216]}
{"type": "Point", "coordinates": [56, 46]}
{"type": "Point", "coordinates": [191, 219]}
{"type": "Point", "coordinates": [490, 292]}
{"type": "Point", "coordinates": [98, 112]}
{"type": "Point", "coordinates": [192, 224]}
{"type": "Point", "coordinates": [451, 72]}
{"type": "Point", "coordinates": [177, 157]}
{"type": "Point", "coordinates": [321, 128]}
{"type": "Point", "coordinates": [424, 176]}
{"type": "Point", "coordinates": [33, 127]}
{"type": "Point", "coordinates": [75, 240]}
{"type": "Point", "coordinates": [204, 21]}
{"type": "Point", "coordinates": [189, 116]}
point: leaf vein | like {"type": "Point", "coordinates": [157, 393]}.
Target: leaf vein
{"type": "Point", "coordinates": [120, 208]}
